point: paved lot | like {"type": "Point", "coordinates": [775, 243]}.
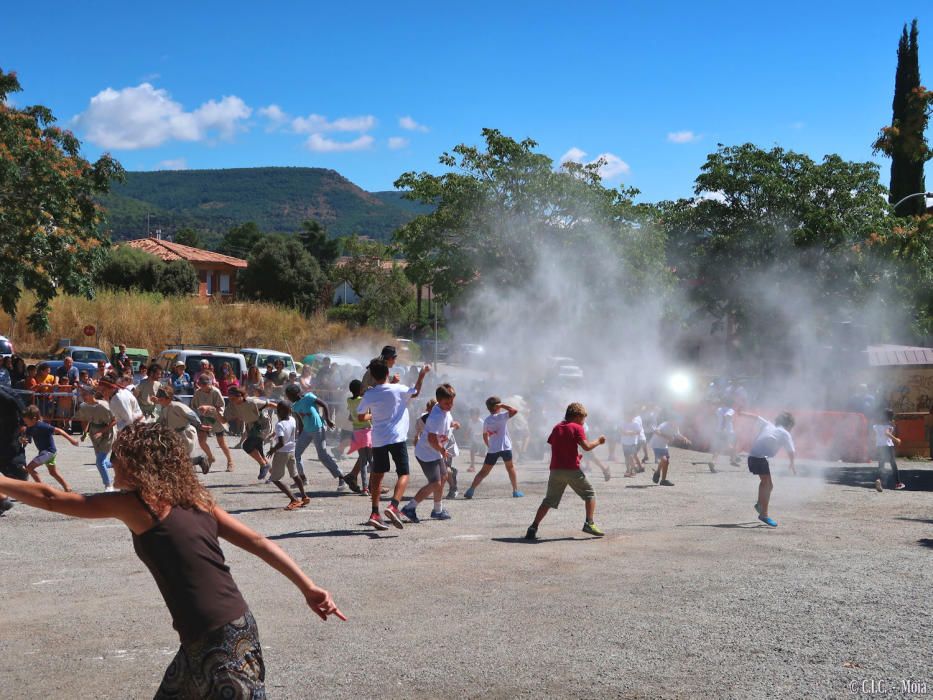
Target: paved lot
{"type": "Point", "coordinates": [687, 596]}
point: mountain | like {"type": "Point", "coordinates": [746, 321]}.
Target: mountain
{"type": "Point", "coordinates": [277, 199]}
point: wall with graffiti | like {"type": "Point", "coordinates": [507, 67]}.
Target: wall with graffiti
{"type": "Point", "coordinates": [909, 389]}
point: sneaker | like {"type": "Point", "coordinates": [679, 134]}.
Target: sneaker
{"type": "Point", "coordinates": [352, 484]}
{"type": "Point", "coordinates": [898, 486]}
{"type": "Point", "coordinates": [517, 494]}
{"type": "Point", "coordinates": [735, 463]}
{"type": "Point", "coordinates": [305, 501]}
{"type": "Point", "coordinates": [365, 492]}
{"type": "Point", "coordinates": [770, 522]}
{"type": "Point", "coordinates": [376, 521]}
{"type": "Point", "coordinates": [531, 533]}
{"type": "Point", "coordinates": [109, 489]}
{"type": "Point", "coordinates": [263, 472]}
{"type": "Point", "coordinates": [468, 494]}
{"type": "Point", "coordinates": [712, 468]}
{"type": "Point", "coordinates": [203, 464]}
{"type": "Point", "coordinates": [442, 515]}
{"type": "Point", "coordinates": [6, 504]}
{"type": "Point", "coordinates": [341, 487]}
{"type": "Point", "coordinates": [394, 516]}
{"type": "Point", "coordinates": [665, 482]}
{"type": "Point", "coordinates": [656, 477]}
{"type": "Point", "coordinates": [878, 487]}
{"type": "Point", "coordinates": [409, 512]}
{"type": "Point", "coordinates": [592, 529]}
{"type": "Point", "coordinates": [452, 495]}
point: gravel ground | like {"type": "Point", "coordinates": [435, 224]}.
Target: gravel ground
{"type": "Point", "coordinates": [687, 595]}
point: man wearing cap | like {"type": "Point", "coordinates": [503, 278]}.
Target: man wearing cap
{"type": "Point", "coordinates": [181, 380]}
{"type": "Point", "coordinates": [206, 370]}
{"type": "Point", "coordinates": [123, 404]}
{"type": "Point", "coordinates": [389, 356]}
{"type": "Point", "coordinates": [208, 402]}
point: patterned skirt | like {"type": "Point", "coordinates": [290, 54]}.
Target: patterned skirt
{"type": "Point", "coordinates": [225, 663]}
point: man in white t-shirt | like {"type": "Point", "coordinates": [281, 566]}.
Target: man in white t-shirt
{"type": "Point", "coordinates": [631, 431]}
{"type": "Point", "coordinates": [771, 438]}
{"type": "Point", "coordinates": [386, 405]}
{"type": "Point", "coordinates": [498, 444]}
{"type": "Point", "coordinates": [283, 455]}
{"type": "Point", "coordinates": [123, 404]}
{"type": "Point", "coordinates": [431, 451]}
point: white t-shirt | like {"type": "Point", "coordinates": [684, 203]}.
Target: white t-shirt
{"type": "Point", "coordinates": [726, 416]}
{"type": "Point", "coordinates": [389, 406]}
{"type": "Point", "coordinates": [496, 425]}
{"type": "Point", "coordinates": [770, 439]}
{"type": "Point", "coordinates": [650, 421]}
{"type": "Point", "coordinates": [633, 426]}
{"type": "Point", "coordinates": [439, 422]}
{"type": "Point", "coordinates": [666, 432]}
{"type": "Point", "coordinates": [286, 430]}
{"type": "Point", "coordinates": [881, 439]}
{"type": "Point", "coordinates": [125, 408]}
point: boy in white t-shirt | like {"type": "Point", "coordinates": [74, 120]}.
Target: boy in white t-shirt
{"type": "Point", "coordinates": [631, 430]}
{"type": "Point", "coordinates": [725, 441]}
{"type": "Point", "coordinates": [386, 405]}
{"type": "Point", "coordinates": [771, 438]}
{"type": "Point", "coordinates": [498, 444]}
{"type": "Point", "coordinates": [283, 455]}
{"type": "Point", "coordinates": [665, 434]}
{"type": "Point", "coordinates": [431, 451]}
{"type": "Point", "coordinates": [885, 440]}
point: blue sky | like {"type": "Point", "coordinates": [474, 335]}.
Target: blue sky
{"type": "Point", "coordinates": [375, 89]}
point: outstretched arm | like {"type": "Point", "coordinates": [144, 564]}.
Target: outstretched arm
{"type": "Point", "coordinates": [588, 445]}
{"type": "Point", "coordinates": [103, 505]}
{"type": "Point", "coordinates": [237, 533]}
{"type": "Point", "coordinates": [421, 375]}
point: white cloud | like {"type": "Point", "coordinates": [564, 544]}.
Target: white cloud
{"type": "Point", "coordinates": [322, 144]}
{"type": "Point", "coordinates": [611, 167]}
{"type": "Point", "coordinates": [275, 115]}
{"type": "Point", "coordinates": [317, 124]}
{"type": "Point", "coordinates": [172, 164]}
{"type": "Point", "coordinates": [682, 137]}
{"type": "Point", "coordinates": [397, 142]}
{"type": "Point", "coordinates": [145, 117]}
{"type": "Point", "coordinates": [410, 124]}
{"type": "Point", "coordinates": [797, 125]}
{"type": "Point", "coordinates": [715, 195]}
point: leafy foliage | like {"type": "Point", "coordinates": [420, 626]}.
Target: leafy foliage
{"type": "Point", "coordinates": [313, 237]}
{"type": "Point", "coordinates": [47, 207]}
{"type": "Point", "coordinates": [240, 240]}
{"type": "Point", "coordinates": [386, 295]}
{"type": "Point", "coordinates": [283, 272]}
{"type": "Point", "coordinates": [188, 236]}
{"type": "Point", "coordinates": [126, 268]}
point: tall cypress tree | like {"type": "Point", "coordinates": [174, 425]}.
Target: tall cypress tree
{"type": "Point", "coordinates": [904, 140]}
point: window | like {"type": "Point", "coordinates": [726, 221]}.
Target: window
{"type": "Point", "coordinates": [224, 283]}
{"type": "Point", "coordinates": [210, 282]}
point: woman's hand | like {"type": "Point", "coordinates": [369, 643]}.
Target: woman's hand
{"type": "Point", "coordinates": [322, 604]}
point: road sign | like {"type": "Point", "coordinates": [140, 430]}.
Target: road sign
{"type": "Point", "coordinates": [89, 330]}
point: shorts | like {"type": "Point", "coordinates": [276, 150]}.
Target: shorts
{"type": "Point", "coordinates": [252, 443]}
{"type": "Point", "coordinates": [759, 466]}
{"type": "Point", "coordinates": [399, 452]}
{"type": "Point", "coordinates": [280, 462]}
{"type": "Point", "coordinates": [435, 470]}
{"type": "Point", "coordinates": [560, 479]}
{"type": "Point", "coordinates": [660, 453]}
{"type": "Point", "coordinates": [493, 457]}
{"type": "Point", "coordinates": [629, 450]}
{"type": "Point", "coordinates": [224, 663]}
{"type": "Point", "coordinates": [362, 439]}
{"type": "Point", "coordinates": [45, 457]}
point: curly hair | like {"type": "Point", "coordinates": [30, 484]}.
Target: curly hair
{"type": "Point", "coordinates": [154, 459]}
{"type": "Point", "coordinates": [575, 410]}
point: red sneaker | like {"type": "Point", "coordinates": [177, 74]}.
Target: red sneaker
{"type": "Point", "coordinates": [394, 516]}
{"type": "Point", "coordinates": [376, 521]}
{"type": "Point", "coordinates": [899, 486]}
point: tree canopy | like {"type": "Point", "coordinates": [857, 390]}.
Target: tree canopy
{"type": "Point", "coordinates": [51, 236]}
{"type": "Point", "coordinates": [386, 295]}
{"type": "Point", "coordinates": [281, 271]}
{"type": "Point", "coordinates": [240, 240]}
{"type": "Point", "coordinates": [313, 237]}
{"type": "Point", "coordinates": [124, 267]}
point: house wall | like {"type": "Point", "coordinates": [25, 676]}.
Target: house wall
{"type": "Point", "coordinates": [210, 281]}
{"type": "Point", "coordinates": [907, 388]}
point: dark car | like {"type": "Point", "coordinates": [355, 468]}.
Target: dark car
{"type": "Point", "coordinates": [78, 353]}
{"type": "Point", "coordinates": [55, 365]}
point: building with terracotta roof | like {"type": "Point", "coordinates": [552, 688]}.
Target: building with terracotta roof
{"type": "Point", "coordinates": [216, 273]}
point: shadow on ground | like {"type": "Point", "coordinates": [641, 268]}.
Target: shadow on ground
{"type": "Point", "coordinates": [864, 477]}
{"type": "Point", "coordinates": [329, 533]}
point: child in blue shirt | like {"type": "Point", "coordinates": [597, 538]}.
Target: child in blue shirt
{"type": "Point", "coordinates": [42, 435]}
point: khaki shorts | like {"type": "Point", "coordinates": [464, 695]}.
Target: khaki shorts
{"type": "Point", "coordinates": [560, 479]}
{"type": "Point", "coordinates": [280, 462]}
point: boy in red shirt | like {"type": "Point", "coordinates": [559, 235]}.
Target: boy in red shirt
{"type": "Point", "coordinates": [565, 469]}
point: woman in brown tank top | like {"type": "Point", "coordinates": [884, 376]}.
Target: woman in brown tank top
{"type": "Point", "coordinates": [176, 525]}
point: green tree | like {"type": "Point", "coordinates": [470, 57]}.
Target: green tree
{"type": "Point", "coordinates": [51, 237]}
{"type": "Point", "coordinates": [313, 237]}
{"type": "Point", "coordinates": [177, 278]}
{"type": "Point", "coordinates": [776, 215]}
{"type": "Point", "coordinates": [240, 240]}
{"type": "Point", "coordinates": [125, 267]}
{"type": "Point", "coordinates": [500, 209]}
{"type": "Point", "coordinates": [282, 271]}
{"type": "Point", "coordinates": [904, 141]}
{"type": "Point", "coordinates": [386, 295]}
{"type": "Point", "coordinates": [188, 236]}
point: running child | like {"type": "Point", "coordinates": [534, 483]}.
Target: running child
{"type": "Point", "coordinates": [283, 456]}
{"type": "Point", "coordinates": [386, 405]}
{"type": "Point", "coordinates": [771, 438]}
{"type": "Point", "coordinates": [180, 419]}
{"type": "Point", "coordinates": [209, 403]}
{"type": "Point", "coordinates": [97, 421]}
{"type": "Point", "coordinates": [885, 440]}
{"type": "Point", "coordinates": [564, 440]}
{"type": "Point", "coordinates": [431, 453]}
{"type": "Point", "coordinates": [725, 440]}
{"type": "Point", "coordinates": [630, 431]}
{"type": "Point", "coordinates": [42, 435]}
{"type": "Point", "coordinates": [498, 445]}
{"type": "Point", "coordinates": [362, 441]}
{"type": "Point", "coordinates": [664, 434]}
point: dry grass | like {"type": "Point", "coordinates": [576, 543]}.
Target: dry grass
{"type": "Point", "coordinates": [155, 322]}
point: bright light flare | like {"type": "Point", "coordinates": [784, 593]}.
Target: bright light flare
{"type": "Point", "coordinates": [680, 383]}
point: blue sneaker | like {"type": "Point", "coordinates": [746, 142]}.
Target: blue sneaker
{"type": "Point", "coordinates": [263, 472]}
{"type": "Point", "coordinates": [443, 515]}
{"type": "Point", "coordinates": [517, 494]}
{"type": "Point", "coordinates": [410, 513]}
{"type": "Point", "coordinates": [770, 522]}
{"type": "Point", "coordinates": [468, 494]}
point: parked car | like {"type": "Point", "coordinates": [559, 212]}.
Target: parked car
{"type": "Point", "coordinates": [138, 356]}
{"type": "Point", "coordinates": [80, 353]}
{"type": "Point", "coordinates": [192, 358]}
{"type": "Point", "coordinates": [262, 357]}
{"type": "Point", "coordinates": [55, 365]}
{"type": "Point", "coordinates": [6, 347]}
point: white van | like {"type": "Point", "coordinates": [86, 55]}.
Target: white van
{"type": "Point", "coordinates": [192, 358]}
{"type": "Point", "coordinates": [262, 357]}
